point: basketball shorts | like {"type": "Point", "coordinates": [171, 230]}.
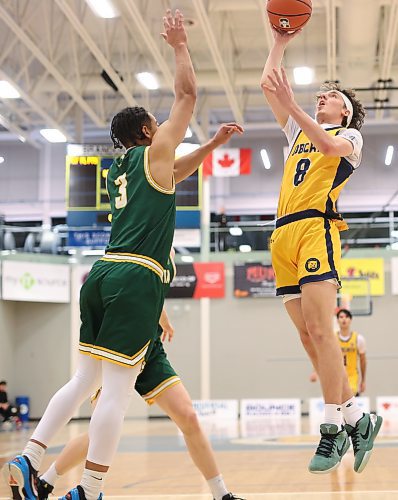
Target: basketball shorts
{"type": "Point", "coordinates": [157, 374]}
{"type": "Point", "coordinates": [120, 307]}
{"type": "Point", "coordinates": [304, 250]}
{"type": "Point", "coordinates": [156, 377]}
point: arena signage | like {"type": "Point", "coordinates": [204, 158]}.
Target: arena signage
{"type": "Point", "coordinates": [35, 282]}
{"type": "Point", "coordinates": [254, 280]}
{"type": "Point", "coordinates": [198, 280]}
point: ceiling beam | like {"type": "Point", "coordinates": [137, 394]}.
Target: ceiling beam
{"type": "Point", "coordinates": [266, 25]}
{"type": "Point", "coordinates": [6, 123]}
{"type": "Point", "coordinates": [48, 120]}
{"type": "Point", "coordinates": [63, 82]}
{"type": "Point", "coordinates": [96, 51]}
{"type": "Point", "coordinates": [141, 26]}
{"type": "Point", "coordinates": [331, 40]}
{"type": "Point", "coordinates": [218, 60]}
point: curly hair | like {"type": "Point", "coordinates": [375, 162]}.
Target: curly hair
{"type": "Point", "coordinates": [126, 126]}
{"type": "Point", "coordinates": [359, 113]}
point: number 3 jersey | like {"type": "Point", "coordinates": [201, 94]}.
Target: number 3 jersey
{"type": "Point", "coordinates": [143, 213]}
{"type": "Point", "coordinates": [312, 180]}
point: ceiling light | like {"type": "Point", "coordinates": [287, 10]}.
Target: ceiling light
{"type": "Point", "coordinates": [235, 231]}
{"type": "Point", "coordinates": [7, 91]}
{"type": "Point", "coordinates": [185, 148]}
{"type": "Point", "coordinates": [2, 159]}
{"type": "Point", "coordinates": [103, 8]}
{"type": "Point", "coordinates": [187, 258]}
{"type": "Point", "coordinates": [265, 158]}
{"type": "Point", "coordinates": [389, 155]}
{"type": "Point", "coordinates": [148, 80]}
{"type": "Point", "coordinates": [245, 248]}
{"type": "Point", "coordinates": [303, 75]}
{"type": "Point", "coordinates": [188, 133]}
{"type": "Point", "coordinates": [53, 135]}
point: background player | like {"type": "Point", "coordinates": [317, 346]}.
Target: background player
{"type": "Point", "coordinates": [122, 299]}
{"type": "Point", "coordinates": [353, 348]}
{"type": "Point", "coordinates": [306, 248]}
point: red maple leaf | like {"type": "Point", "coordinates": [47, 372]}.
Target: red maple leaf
{"type": "Point", "coordinates": [226, 161]}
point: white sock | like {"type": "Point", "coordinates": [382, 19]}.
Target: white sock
{"type": "Point", "coordinates": [352, 412]}
{"type": "Point", "coordinates": [35, 453]}
{"type": "Point", "coordinates": [92, 483]}
{"type": "Point", "coordinates": [217, 487]}
{"type": "Point", "coordinates": [51, 476]}
{"type": "Point", "coordinates": [333, 415]}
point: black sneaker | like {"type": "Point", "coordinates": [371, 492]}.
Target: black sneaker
{"type": "Point", "coordinates": [77, 494]}
{"type": "Point", "coordinates": [230, 496]}
{"type": "Point", "coordinates": [43, 489]}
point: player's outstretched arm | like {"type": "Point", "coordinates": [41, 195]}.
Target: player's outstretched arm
{"type": "Point", "coordinates": [328, 145]}
{"type": "Point", "coordinates": [172, 131]}
{"type": "Point", "coordinates": [274, 60]}
{"type": "Point", "coordinates": [188, 164]}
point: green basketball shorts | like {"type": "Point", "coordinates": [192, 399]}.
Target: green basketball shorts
{"type": "Point", "coordinates": [120, 307]}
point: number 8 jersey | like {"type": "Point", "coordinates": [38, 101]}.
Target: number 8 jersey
{"type": "Point", "coordinates": [312, 180]}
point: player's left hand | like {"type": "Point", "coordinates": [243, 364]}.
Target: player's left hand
{"type": "Point", "coordinates": [225, 132]}
{"type": "Point", "coordinates": [362, 387]}
{"type": "Point", "coordinates": [168, 332]}
{"type": "Point", "coordinates": [280, 87]}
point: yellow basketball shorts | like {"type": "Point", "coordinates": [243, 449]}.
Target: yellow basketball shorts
{"type": "Point", "coordinates": [305, 248]}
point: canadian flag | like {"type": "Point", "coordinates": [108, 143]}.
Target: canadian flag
{"type": "Point", "coordinates": [228, 162]}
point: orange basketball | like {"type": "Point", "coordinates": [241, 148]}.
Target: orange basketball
{"type": "Point", "coordinates": [289, 15]}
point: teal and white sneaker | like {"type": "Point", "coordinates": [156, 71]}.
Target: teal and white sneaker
{"type": "Point", "coordinates": [331, 449]}
{"type": "Point", "coordinates": [362, 437]}
{"type": "Point", "coordinates": [21, 478]}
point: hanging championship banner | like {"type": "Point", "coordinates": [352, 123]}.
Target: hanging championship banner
{"type": "Point", "coordinates": [198, 280]}
{"type": "Point", "coordinates": [254, 280]}
{"type": "Point", "coordinates": [371, 270]}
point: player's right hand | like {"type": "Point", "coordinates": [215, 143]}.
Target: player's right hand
{"type": "Point", "coordinates": [283, 37]}
{"type": "Point", "coordinates": [174, 30]}
{"type": "Point", "coordinates": [168, 332]}
{"type": "Point", "coordinates": [313, 377]}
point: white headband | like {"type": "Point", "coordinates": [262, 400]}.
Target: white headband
{"type": "Point", "coordinates": [348, 105]}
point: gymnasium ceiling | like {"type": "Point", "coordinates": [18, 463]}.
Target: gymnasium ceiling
{"type": "Point", "coordinates": [53, 53]}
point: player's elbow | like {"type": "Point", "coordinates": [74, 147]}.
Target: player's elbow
{"type": "Point", "coordinates": [187, 94]}
{"type": "Point", "coordinates": [327, 148]}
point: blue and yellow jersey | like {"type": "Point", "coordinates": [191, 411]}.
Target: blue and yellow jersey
{"type": "Point", "coordinates": [312, 180]}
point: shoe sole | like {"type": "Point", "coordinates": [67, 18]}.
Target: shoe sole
{"type": "Point", "coordinates": [11, 476]}
{"type": "Point", "coordinates": [327, 471]}
{"type": "Point", "coordinates": [368, 453]}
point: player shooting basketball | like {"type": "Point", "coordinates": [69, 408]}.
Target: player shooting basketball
{"type": "Point", "coordinates": [305, 245]}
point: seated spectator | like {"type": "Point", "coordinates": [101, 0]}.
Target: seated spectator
{"type": "Point", "coordinates": [7, 411]}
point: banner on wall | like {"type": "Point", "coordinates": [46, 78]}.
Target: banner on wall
{"type": "Point", "coordinates": [220, 409]}
{"type": "Point", "coordinates": [260, 408]}
{"type": "Point", "coordinates": [254, 280]}
{"type": "Point", "coordinates": [35, 282]}
{"type": "Point", "coordinates": [198, 280]}
{"type": "Point", "coordinates": [394, 275]}
{"type": "Point", "coordinates": [373, 269]}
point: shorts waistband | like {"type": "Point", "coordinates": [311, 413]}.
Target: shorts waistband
{"type": "Point", "coordinates": [305, 214]}
{"type": "Point", "coordinates": [141, 260]}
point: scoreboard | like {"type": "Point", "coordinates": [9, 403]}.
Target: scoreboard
{"type": "Point", "coordinates": [87, 199]}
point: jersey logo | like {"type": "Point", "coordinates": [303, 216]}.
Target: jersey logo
{"type": "Point", "coordinates": [312, 265]}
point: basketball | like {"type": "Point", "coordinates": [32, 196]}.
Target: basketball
{"type": "Point", "coordinates": [289, 15]}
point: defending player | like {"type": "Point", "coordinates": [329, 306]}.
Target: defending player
{"type": "Point", "coordinates": [306, 247]}
{"type": "Point", "coordinates": [157, 383]}
{"type": "Point", "coordinates": [122, 299]}
{"type": "Point", "coordinates": [353, 348]}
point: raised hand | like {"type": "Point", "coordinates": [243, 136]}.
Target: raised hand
{"type": "Point", "coordinates": [174, 30]}
{"type": "Point", "coordinates": [280, 87]}
{"type": "Point", "coordinates": [283, 37]}
{"type": "Point", "coordinates": [225, 132]}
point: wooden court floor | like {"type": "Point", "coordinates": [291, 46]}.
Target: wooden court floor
{"type": "Point", "coordinates": [152, 464]}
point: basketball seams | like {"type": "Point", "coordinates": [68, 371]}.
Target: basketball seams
{"type": "Point", "coordinates": [289, 15]}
